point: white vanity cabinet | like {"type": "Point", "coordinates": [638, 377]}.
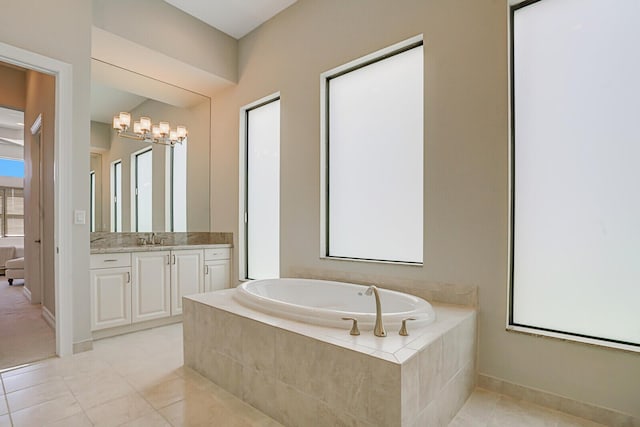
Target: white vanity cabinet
{"type": "Point", "coordinates": [217, 269]}
{"type": "Point", "coordinates": [187, 276]}
{"type": "Point", "coordinates": [130, 288]}
{"type": "Point", "coordinates": [151, 290]}
{"type": "Point", "coordinates": [110, 278]}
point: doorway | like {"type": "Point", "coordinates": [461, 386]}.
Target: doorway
{"type": "Point", "coordinates": [27, 298]}
{"type": "Point", "coordinates": [62, 279]}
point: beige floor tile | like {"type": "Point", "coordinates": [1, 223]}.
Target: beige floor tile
{"type": "Point", "coordinates": [91, 391]}
{"type": "Point", "coordinates": [78, 420]}
{"type": "Point", "coordinates": [5, 421]}
{"type": "Point", "coordinates": [47, 412]}
{"type": "Point", "coordinates": [29, 379]}
{"type": "Point", "coordinates": [196, 410]}
{"type": "Point", "coordinates": [168, 392]}
{"type": "Point", "coordinates": [3, 405]}
{"type": "Point", "coordinates": [154, 419]}
{"type": "Point", "coordinates": [119, 411]}
{"type": "Point", "coordinates": [37, 394]}
{"type": "Point", "coordinates": [22, 369]}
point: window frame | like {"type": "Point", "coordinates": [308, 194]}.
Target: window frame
{"type": "Point", "coordinates": [511, 325]}
{"type": "Point", "coordinates": [134, 182]}
{"type": "Point", "coordinates": [243, 238]}
{"type": "Point", "coordinates": [170, 183]}
{"type": "Point", "coordinates": [116, 196]}
{"type": "Point", "coordinates": [325, 78]}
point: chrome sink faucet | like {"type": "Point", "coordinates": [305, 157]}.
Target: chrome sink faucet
{"type": "Point", "coordinates": [152, 238]}
{"type": "Point", "coordinates": [378, 330]}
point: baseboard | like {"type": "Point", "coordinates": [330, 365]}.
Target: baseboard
{"type": "Point", "coordinates": [49, 318]}
{"type": "Point", "coordinates": [82, 346]}
{"type": "Point", "coordinates": [588, 411]}
{"type": "Point", "coordinates": [135, 327]}
{"type": "Point", "coordinates": [26, 292]}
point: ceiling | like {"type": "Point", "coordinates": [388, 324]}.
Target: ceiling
{"type": "Point", "coordinates": [236, 18]}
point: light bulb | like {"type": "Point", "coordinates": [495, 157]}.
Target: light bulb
{"type": "Point", "coordinates": [164, 128]}
{"type": "Point", "coordinates": [173, 135]}
{"type": "Point", "coordinates": [125, 120]}
{"type": "Point", "coordinates": [136, 128]}
{"type": "Point", "coordinates": [155, 130]}
{"type": "Point", "coordinates": [116, 122]}
{"type": "Point", "coordinates": [181, 131]}
{"type": "Point", "coordinates": [145, 124]}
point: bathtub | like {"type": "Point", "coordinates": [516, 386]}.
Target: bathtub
{"type": "Point", "coordinates": [325, 303]}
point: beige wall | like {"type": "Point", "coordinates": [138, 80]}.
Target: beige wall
{"type": "Point", "coordinates": [62, 30]}
{"type": "Point", "coordinates": [170, 31]}
{"type": "Point", "coordinates": [12, 87]}
{"type": "Point", "coordinates": [466, 167]}
{"type": "Point", "coordinates": [39, 159]}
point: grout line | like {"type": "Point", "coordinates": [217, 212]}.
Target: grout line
{"type": "Point", "coordinates": [6, 401]}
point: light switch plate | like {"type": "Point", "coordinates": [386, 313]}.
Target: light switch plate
{"type": "Point", "coordinates": [79, 217]}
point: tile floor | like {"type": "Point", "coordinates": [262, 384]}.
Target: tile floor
{"type": "Point", "coordinates": [24, 335]}
{"type": "Point", "coordinates": [138, 380]}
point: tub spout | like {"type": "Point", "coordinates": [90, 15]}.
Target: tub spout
{"type": "Point", "coordinates": [378, 330]}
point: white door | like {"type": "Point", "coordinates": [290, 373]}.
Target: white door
{"type": "Point", "coordinates": [186, 276]}
{"type": "Point", "coordinates": [151, 295]}
{"type": "Point", "coordinates": [110, 297]}
{"type": "Point", "coordinates": [216, 275]}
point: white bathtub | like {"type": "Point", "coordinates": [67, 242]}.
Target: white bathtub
{"type": "Point", "coordinates": [325, 303]}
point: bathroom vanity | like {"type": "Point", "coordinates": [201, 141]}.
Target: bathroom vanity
{"type": "Point", "coordinates": [136, 286]}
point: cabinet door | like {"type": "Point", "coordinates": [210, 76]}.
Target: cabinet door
{"type": "Point", "coordinates": [217, 274]}
{"type": "Point", "coordinates": [110, 297]}
{"type": "Point", "coordinates": [187, 276]}
{"type": "Point", "coordinates": [151, 285]}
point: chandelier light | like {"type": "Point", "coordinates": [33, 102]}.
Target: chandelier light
{"type": "Point", "coordinates": [144, 130]}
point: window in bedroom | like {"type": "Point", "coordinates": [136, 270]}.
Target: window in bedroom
{"type": "Point", "coordinates": [575, 265]}
{"type": "Point", "coordinates": [372, 156]}
{"type": "Point", "coordinates": [11, 212]}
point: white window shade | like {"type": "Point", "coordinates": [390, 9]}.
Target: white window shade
{"type": "Point", "coordinates": [576, 230]}
{"type": "Point", "coordinates": [144, 186]}
{"type": "Point", "coordinates": [179, 187]}
{"type": "Point", "coordinates": [375, 155]}
{"type": "Point", "coordinates": [263, 191]}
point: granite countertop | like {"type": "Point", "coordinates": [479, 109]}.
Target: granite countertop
{"type": "Point", "coordinates": [103, 242]}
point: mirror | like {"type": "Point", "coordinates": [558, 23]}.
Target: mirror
{"type": "Point", "coordinates": [141, 186]}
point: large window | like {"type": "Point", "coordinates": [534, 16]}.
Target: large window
{"type": "Point", "coordinates": [262, 190]}
{"type": "Point", "coordinates": [373, 156]}
{"type": "Point", "coordinates": [116, 196]}
{"type": "Point", "coordinates": [178, 187]}
{"type": "Point", "coordinates": [11, 212]}
{"type": "Point", "coordinates": [143, 190]}
{"type": "Point", "coordinates": [575, 171]}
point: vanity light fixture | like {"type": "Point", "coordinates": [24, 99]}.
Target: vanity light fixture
{"type": "Point", "coordinates": [144, 130]}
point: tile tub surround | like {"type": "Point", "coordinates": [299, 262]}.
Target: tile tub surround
{"type": "Point", "coordinates": [302, 374]}
{"type": "Point", "coordinates": [112, 242]}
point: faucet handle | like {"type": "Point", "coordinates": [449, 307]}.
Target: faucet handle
{"type": "Point", "coordinates": [354, 326]}
{"type": "Point", "coordinates": [403, 329]}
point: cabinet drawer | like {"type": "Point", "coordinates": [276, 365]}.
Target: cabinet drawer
{"type": "Point", "coordinates": [217, 253]}
{"type": "Point", "coordinates": [110, 260]}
